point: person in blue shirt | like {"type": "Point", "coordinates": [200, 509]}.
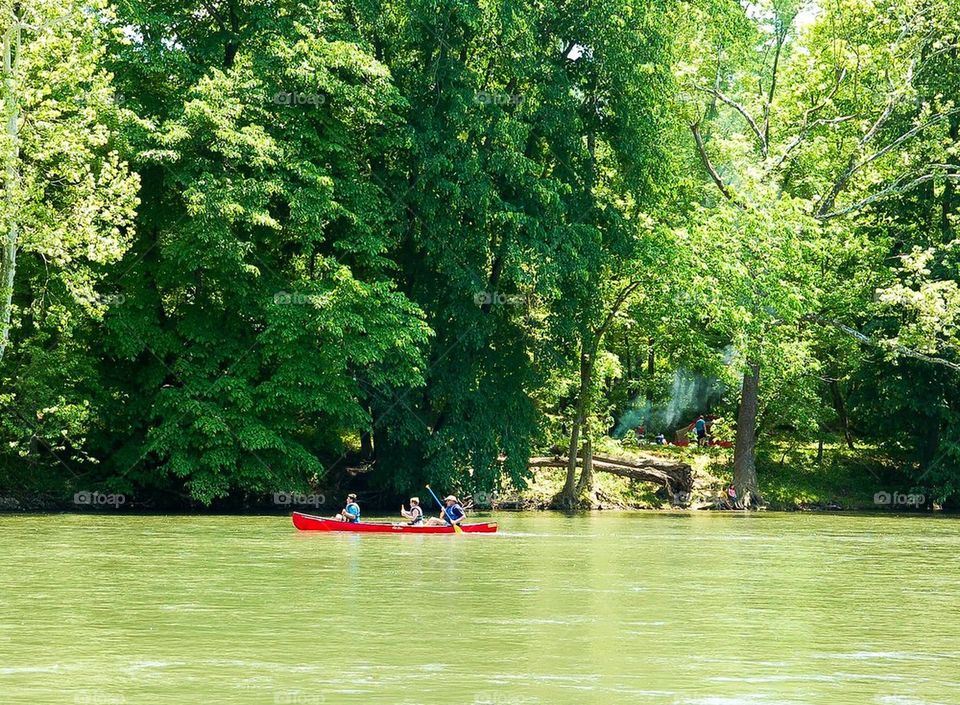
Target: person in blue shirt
{"type": "Point", "coordinates": [452, 513]}
{"type": "Point", "coordinates": [351, 512]}
{"type": "Point", "coordinates": [701, 428]}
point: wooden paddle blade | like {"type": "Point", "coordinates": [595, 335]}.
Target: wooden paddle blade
{"type": "Point", "coordinates": [457, 529]}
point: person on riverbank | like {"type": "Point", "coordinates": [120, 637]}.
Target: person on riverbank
{"type": "Point", "coordinates": [701, 428]}
{"type": "Point", "coordinates": [732, 496]}
{"type": "Point", "coordinates": [351, 512]}
{"type": "Point", "coordinates": [452, 513]}
{"type": "Point", "coordinates": [414, 517]}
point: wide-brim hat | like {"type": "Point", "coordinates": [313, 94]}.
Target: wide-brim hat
{"type": "Point", "coordinates": [450, 498]}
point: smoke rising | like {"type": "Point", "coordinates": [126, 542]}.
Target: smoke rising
{"type": "Point", "coordinates": [690, 395]}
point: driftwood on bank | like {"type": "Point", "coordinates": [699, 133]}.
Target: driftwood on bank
{"type": "Point", "coordinates": [674, 476]}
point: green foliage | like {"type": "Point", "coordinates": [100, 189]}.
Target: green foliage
{"type": "Point", "coordinates": [260, 243]}
{"type": "Point", "coordinates": [69, 207]}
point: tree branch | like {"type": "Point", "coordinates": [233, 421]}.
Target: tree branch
{"type": "Point", "coordinates": [900, 349]}
{"type": "Point", "coordinates": [743, 111]}
{"type": "Point", "coordinates": [806, 127]}
{"type": "Point", "coordinates": [781, 39]}
{"type": "Point", "coordinates": [614, 308]}
{"type": "Point", "coordinates": [702, 150]}
{"type": "Point", "coordinates": [897, 187]}
{"type": "Point", "coordinates": [802, 135]}
{"type": "Point", "coordinates": [810, 112]}
{"type": "Point", "coordinates": [854, 166]}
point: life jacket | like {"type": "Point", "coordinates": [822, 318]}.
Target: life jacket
{"type": "Point", "coordinates": [451, 514]}
{"type": "Point", "coordinates": [416, 515]}
{"type": "Point", "coordinates": [352, 511]}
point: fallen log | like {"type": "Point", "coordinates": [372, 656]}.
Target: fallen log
{"type": "Point", "coordinates": [681, 473]}
{"type": "Point", "coordinates": [675, 476]}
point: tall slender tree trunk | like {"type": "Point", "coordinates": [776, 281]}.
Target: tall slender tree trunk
{"type": "Point", "coordinates": [841, 408]}
{"type": "Point", "coordinates": [928, 443]}
{"type": "Point", "coordinates": [11, 186]}
{"type": "Point", "coordinates": [571, 487]}
{"type": "Point", "coordinates": [586, 475]}
{"type": "Point", "coordinates": [569, 493]}
{"type": "Point", "coordinates": [366, 439]}
{"type": "Point", "coordinates": [651, 369]}
{"type": "Point", "coordinates": [586, 390]}
{"type": "Point", "coordinates": [744, 455]}
{"type": "Point", "coordinates": [628, 355]}
{"type": "Point", "coordinates": [948, 198]}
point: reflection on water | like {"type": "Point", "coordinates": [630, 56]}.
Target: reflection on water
{"type": "Point", "coordinates": [678, 609]}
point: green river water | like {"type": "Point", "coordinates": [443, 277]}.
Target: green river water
{"type": "Point", "coordinates": [704, 608]}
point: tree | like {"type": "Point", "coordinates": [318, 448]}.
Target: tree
{"type": "Point", "coordinates": [259, 298]}
{"type": "Point", "coordinates": [67, 212]}
{"type": "Point", "coordinates": [782, 116]}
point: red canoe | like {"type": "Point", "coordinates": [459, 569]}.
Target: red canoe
{"type": "Point", "coordinates": [308, 522]}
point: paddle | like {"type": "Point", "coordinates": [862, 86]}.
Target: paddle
{"type": "Point", "coordinates": [456, 527]}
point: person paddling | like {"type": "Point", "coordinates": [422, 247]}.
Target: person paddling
{"type": "Point", "coordinates": [451, 514]}
{"type": "Point", "coordinates": [415, 515]}
{"type": "Point", "coordinates": [351, 512]}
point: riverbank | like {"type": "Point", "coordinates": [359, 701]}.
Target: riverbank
{"type": "Point", "coordinates": [793, 477]}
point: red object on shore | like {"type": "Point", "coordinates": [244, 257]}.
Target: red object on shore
{"type": "Point", "coordinates": [309, 522]}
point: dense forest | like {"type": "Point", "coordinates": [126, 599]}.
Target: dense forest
{"type": "Point", "coordinates": [250, 245]}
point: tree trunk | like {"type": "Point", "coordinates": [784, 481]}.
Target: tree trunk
{"type": "Point", "coordinates": [628, 356]}
{"type": "Point", "coordinates": [651, 369]}
{"type": "Point", "coordinates": [948, 197]}
{"type": "Point", "coordinates": [586, 474]}
{"type": "Point", "coordinates": [366, 445]}
{"type": "Point", "coordinates": [11, 186]}
{"type": "Point", "coordinates": [570, 487]}
{"type": "Point", "coordinates": [928, 443]}
{"type": "Point", "coordinates": [589, 345]}
{"type": "Point", "coordinates": [569, 492]}
{"type": "Point", "coordinates": [744, 456]}
{"type": "Point", "coordinates": [841, 408]}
